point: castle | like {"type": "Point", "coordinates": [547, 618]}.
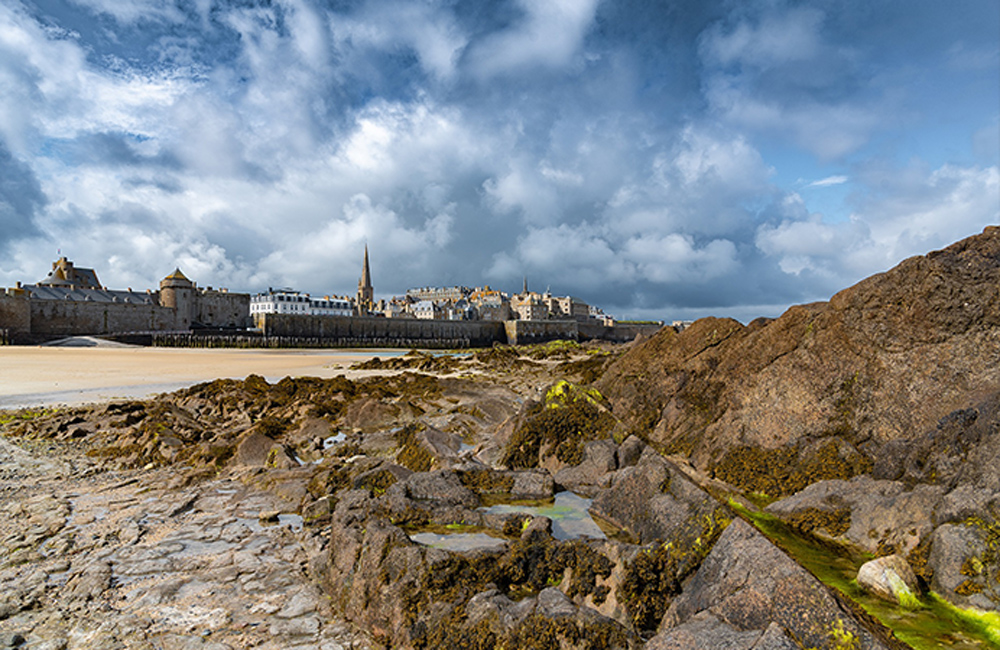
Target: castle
{"type": "Point", "coordinates": [71, 301]}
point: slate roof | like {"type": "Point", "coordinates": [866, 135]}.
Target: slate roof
{"type": "Point", "coordinates": [45, 292]}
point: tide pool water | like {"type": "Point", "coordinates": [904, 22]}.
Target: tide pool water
{"type": "Point", "coordinates": [568, 512]}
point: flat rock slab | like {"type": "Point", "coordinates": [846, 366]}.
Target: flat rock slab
{"type": "Point", "coordinates": [116, 559]}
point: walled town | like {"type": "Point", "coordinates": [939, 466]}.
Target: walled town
{"type": "Point", "coordinates": [71, 301]}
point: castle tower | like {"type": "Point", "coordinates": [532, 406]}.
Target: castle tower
{"type": "Point", "coordinates": [366, 292]}
{"type": "Point", "coordinates": [177, 292]}
{"type": "Point", "coordinates": [64, 274]}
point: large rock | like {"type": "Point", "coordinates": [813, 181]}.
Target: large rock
{"type": "Point", "coordinates": [964, 564]}
{"type": "Point", "coordinates": [443, 487]}
{"type": "Point", "coordinates": [876, 516]}
{"type": "Point", "coordinates": [890, 578]}
{"type": "Point", "coordinates": [748, 584]}
{"type": "Point", "coordinates": [881, 360]}
{"type": "Point", "coordinates": [259, 450]}
{"type": "Point", "coordinates": [652, 501]}
{"type": "Point", "coordinates": [532, 484]}
{"type": "Point", "coordinates": [704, 631]}
{"type": "Point", "coordinates": [963, 449]}
{"type": "Point", "coordinates": [599, 458]}
{"type": "Point", "coordinates": [410, 595]}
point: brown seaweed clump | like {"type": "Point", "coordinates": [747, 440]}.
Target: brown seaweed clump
{"type": "Point", "coordinates": [809, 520]}
{"type": "Point", "coordinates": [656, 575]}
{"type": "Point", "coordinates": [787, 470]}
{"type": "Point", "coordinates": [570, 417]}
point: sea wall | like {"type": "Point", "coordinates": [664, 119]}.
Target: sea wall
{"type": "Point", "coordinates": [15, 313]}
{"type": "Point", "coordinates": [619, 333]}
{"type": "Point", "coordinates": [404, 332]}
{"type": "Point", "coordinates": [221, 308]}
{"type": "Point", "coordinates": [526, 332]}
{"type": "Point", "coordinates": [71, 317]}
{"type": "Point", "coordinates": [381, 331]}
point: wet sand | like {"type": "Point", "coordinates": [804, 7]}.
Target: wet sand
{"type": "Point", "coordinates": [47, 376]}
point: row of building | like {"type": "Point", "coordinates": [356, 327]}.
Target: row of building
{"type": "Point", "coordinates": [432, 303]}
{"type": "Point", "coordinates": [71, 300]}
{"type": "Point", "coordinates": [486, 303]}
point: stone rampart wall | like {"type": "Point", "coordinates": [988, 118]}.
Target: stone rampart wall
{"type": "Point", "coordinates": [399, 332]}
{"type": "Point", "coordinates": [71, 318]}
{"type": "Point", "coordinates": [15, 312]}
{"type": "Point", "coordinates": [619, 333]}
{"type": "Point", "coordinates": [221, 309]}
{"type": "Point", "coordinates": [385, 331]}
{"type": "Point", "coordinates": [526, 332]}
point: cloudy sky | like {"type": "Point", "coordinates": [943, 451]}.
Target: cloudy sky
{"type": "Point", "coordinates": [661, 158]}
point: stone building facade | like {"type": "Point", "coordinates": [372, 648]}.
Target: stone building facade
{"type": "Point", "coordinates": [70, 302]}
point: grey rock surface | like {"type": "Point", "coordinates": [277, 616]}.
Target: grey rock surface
{"type": "Point", "coordinates": [749, 584]}
{"type": "Point", "coordinates": [961, 573]}
{"type": "Point", "coordinates": [599, 458]}
{"type": "Point", "coordinates": [652, 500]}
{"type": "Point", "coordinates": [882, 513]}
{"type": "Point", "coordinates": [128, 559]}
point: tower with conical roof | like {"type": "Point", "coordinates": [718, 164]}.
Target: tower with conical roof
{"type": "Point", "coordinates": [177, 292]}
{"type": "Point", "coordinates": [366, 292]}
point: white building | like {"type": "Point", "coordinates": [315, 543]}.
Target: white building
{"type": "Point", "coordinates": [287, 301]}
{"type": "Point", "coordinates": [427, 310]}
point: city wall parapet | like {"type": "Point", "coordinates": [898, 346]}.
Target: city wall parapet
{"type": "Point", "coordinates": [528, 332]}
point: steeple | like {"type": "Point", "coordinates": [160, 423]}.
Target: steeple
{"type": "Point", "coordinates": [366, 293]}
{"type": "Point", "coordinates": [366, 274]}
{"type": "Point", "coordinates": [524, 289]}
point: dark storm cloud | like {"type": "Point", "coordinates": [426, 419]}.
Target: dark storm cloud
{"type": "Point", "coordinates": [21, 198]}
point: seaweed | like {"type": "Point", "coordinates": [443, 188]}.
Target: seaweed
{"type": "Point", "coordinates": [569, 417]}
{"type": "Point", "coordinates": [656, 575]}
{"type": "Point", "coordinates": [487, 481]}
{"type": "Point", "coordinates": [836, 523]}
{"type": "Point", "coordinates": [787, 470]}
{"type": "Point", "coordinates": [412, 454]}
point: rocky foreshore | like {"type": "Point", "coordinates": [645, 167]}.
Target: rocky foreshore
{"type": "Point", "coordinates": [824, 480]}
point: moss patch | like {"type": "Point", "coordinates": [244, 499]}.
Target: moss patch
{"type": "Point", "coordinates": [378, 481]}
{"type": "Point", "coordinates": [487, 481]}
{"type": "Point", "coordinates": [926, 624]}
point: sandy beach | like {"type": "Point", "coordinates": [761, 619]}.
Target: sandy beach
{"type": "Point", "coordinates": [46, 376]}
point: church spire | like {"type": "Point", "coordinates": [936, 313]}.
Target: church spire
{"type": "Point", "coordinates": [366, 293]}
{"type": "Point", "coordinates": [366, 274]}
